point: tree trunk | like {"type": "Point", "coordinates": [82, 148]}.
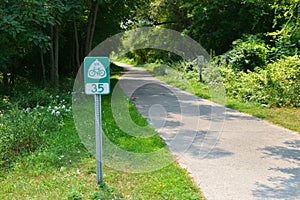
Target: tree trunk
{"type": "Point", "coordinates": [77, 59]}
{"type": "Point", "coordinates": [56, 53]}
{"type": "Point", "coordinates": [12, 79]}
{"type": "Point", "coordinates": [43, 66]}
{"type": "Point", "coordinates": [12, 76]}
{"type": "Point", "coordinates": [5, 80]}
{"type": "Point", "coordinates": [93, 25]}
{"type": "Point", "coordinates": [88, 34]}
{"type": "Point", "coordinates": [52, 71]}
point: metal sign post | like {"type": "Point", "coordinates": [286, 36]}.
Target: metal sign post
{"type": "Point", "coordinates": [97, 82]}
{"type": "Point", "coordinates": [98, 122]}
{"type": "Point", "coordinates": [200, 64]}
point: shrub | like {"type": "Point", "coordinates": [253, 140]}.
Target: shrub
{"type": "Point", "coordinates": [33, 96]}
{"type": "Point", "coordinates": [283, 82]}
{"type": "Point", "coordinates": [24, 130]}
{"type": "Point", "coordinates": [246, 54]}
{"type": "Point", "coordinates": [190, 70]}
{"type": "Point", "coordinates": [276, 85]}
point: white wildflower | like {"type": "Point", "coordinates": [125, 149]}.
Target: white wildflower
{"type": "Point", "coordinates": [60, 157]}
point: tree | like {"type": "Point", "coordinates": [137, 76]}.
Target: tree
{"type": "Point", "coordinates": [215, 23]}
{"type": "Point", "coordinates": [20, 26]}
{"type": "Point", "coordinates": [92, 18]}
{"type": "Point", "coordinates": [286, 37]}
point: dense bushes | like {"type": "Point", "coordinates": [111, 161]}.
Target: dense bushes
{"type": "Point", "coordinates": [256, 72]}
{"type": "Point", "coordinates": [250, 74]}
{"type": "Point", "coordinates": [26, 123]}
{"type": "Point", "coordinates": [276, 85]}
{"type": "Point", "coordinates": [246, 54]}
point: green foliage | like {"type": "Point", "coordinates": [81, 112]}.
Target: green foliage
{"type": "Point", "coordinates": [62, 160]}
{"type": "Point", "coordinates": [106, 192]}
{"type": "Point", "coordinates": [176, 74]}
{"type": "Point", "coordinates": [188, 69]}
{"type": "Point", "coordinates": [23, 131]}
{"type": "Point", "coordinates": [37, 96]}
{"type": "Point", "coordinates": [286, 37]}
{"type": "Point", "coordinates": [288, 117]}
{"type": "Point", "coordinates": [26, 124]}
{"type": "Point", "coordinates": [215, 24]}
{"type": "Point", "coordinates": [21, 26]}
{"type": "Point", "coordinates": [276, 85]}
{"type": "Point", "coordinates": [247, 54]}
{"type": "Point", "coordinates": [263, 36]}
{"type": "Point", "coordinates": [26, 30]}
{"type": "Point", "coordinates": [75, 196]}
{"type": "Point", "coordinates": [29, 29]}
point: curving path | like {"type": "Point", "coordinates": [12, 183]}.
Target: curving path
{"type": "Point", "coordinates": [230, 155]}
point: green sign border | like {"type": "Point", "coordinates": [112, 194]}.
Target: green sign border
{"type": "Point", "coordinates": [106, 80]}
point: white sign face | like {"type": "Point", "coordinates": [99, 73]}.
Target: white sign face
{"type": "Point", "coordinates": [97, 88]}
{"type": "Point", "coordinates": [96, 75]}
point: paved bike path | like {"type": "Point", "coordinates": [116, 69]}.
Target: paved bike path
{"type": "Point", "coordinates": [230, 155]}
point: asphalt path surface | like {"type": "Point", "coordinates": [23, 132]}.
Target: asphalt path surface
{"type": "Point", "coordinates": [229, 154]}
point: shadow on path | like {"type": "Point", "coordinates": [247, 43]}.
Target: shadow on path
{"type": "Point", "coordinates": [288, 185]}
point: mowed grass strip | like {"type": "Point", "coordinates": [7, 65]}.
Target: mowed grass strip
{"type": "Point", "coordinates": [63, 169]}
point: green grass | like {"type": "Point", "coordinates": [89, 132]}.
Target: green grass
{"type": "Point", "coordinates": [126, 60]}
{"type": "Point", "coordinates": [65, 170]}
{"type": "Point", "coordinates": [285, 117]}
{"type": "Point", "coordinates": [62, 168]}
{"type": "Point", "coordinates": [175, 79]}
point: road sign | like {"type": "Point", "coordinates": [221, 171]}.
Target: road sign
{"type": "Point", "coordinates": [97, 82]}
{"type": "Point", "coordinates": [96, 75]}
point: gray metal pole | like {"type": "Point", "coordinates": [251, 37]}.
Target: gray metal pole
{"type": "Point", "coordinates": [200, 64]}
{"type": "Point", "coordinates": [98, 122]}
